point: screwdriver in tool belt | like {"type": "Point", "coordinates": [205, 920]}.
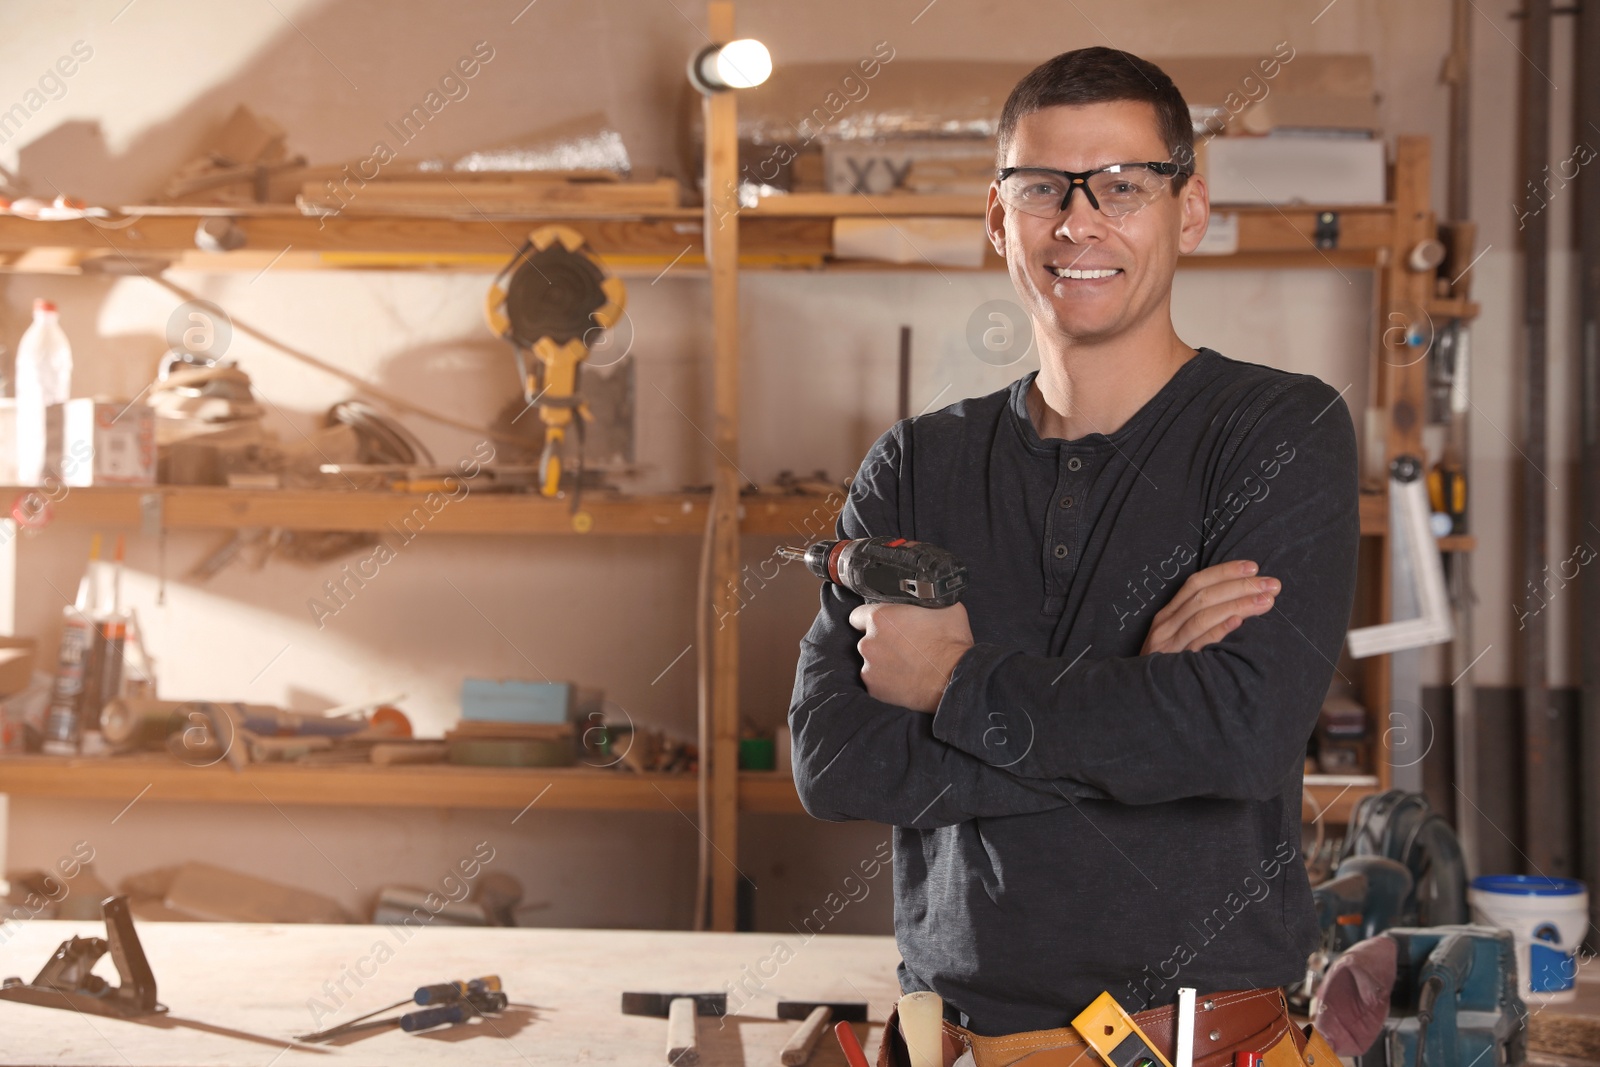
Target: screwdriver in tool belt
{"type": "Point", "coordinates": [887, 570]}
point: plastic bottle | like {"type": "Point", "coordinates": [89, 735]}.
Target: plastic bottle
{"type": "Point", "coordinates": [75, 662]}
{"type": "Point", "coordinates": [44, 377]}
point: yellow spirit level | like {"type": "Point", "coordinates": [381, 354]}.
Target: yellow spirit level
{"type": "Point", "coordinates": [1111, 1032]}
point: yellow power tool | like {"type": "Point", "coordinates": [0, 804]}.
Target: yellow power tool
{"type": "Point", "coordinates": [553, 299]}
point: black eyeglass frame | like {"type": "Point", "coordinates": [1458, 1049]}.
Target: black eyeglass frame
{"type": "Point", "coordinates": [1080, 178]}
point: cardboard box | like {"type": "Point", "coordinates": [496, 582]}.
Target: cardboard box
{"type": "Point", "coordinates": [923, 166]}
{"type": "Point", "coordinates": [1286, 170]}
{"type": "Point", "coordinates": [101, 442]}
{"type": "Point", "coordinates": [16, 664]}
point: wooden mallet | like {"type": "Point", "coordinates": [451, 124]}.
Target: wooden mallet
{"type": "Point", "coordinates": [679, 1009]}
{"type": "Point", "coordinates": [816, 1014]}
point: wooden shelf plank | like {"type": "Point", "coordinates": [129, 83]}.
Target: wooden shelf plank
{"type": "Point", "coordinates": [206, 507]}
{"type": "Point", "coordinates": [768, 793]}
{"type": "Point", "coordinates": [159, 777]}
{"type": "Point", "coordinates": [794, 231]}
{"type": "Point", "coordinates": [802, 518]}
{"type": "Point", "coordinates": [1336, 799]}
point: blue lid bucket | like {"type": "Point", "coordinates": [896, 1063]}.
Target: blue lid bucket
{"type": "Point", "coordinates": [1547, 918]}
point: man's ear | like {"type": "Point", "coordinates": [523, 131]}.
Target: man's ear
{"type": "Point", "coordinates": [1195, 209]}
{"type": "Point", "coordinates": [994, 220]}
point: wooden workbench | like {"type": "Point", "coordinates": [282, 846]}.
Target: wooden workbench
{"type": "Point", "coordinates": [238, 993]}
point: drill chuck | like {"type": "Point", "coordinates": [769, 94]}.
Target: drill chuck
{"type": "Point", "coordinates": [890, 570]}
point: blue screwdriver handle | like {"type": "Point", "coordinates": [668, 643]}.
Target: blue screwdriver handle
{"type": "Point", "coordinates": [411, 1022]}
{"type": "Point", "coordinates": [460, 1011]}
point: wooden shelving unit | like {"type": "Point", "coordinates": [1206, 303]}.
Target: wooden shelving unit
{"type": "Point", "coordinates": [793, 233]}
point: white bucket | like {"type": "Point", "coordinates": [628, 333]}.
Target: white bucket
{"type": "Point", "coordinates": [1547, 917]}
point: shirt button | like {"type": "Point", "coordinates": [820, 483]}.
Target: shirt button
{"type": "Point", "coordinates": [1074, 463]}
{"type": "Point", "coordinates": [1061, 552]}
{"type": "Point", "coordinates": [1066, 501]}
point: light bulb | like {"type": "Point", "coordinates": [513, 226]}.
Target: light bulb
{"type": "Point", "coordinates": [744, 63]}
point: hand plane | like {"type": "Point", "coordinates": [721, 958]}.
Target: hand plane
{"type": "Point", "coordinates": [68, 981]}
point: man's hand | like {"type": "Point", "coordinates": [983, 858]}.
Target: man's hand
{"type": "Point", "coordinates": [908, 653]}
{"type": "Point", "coordinates": [1209, 606]}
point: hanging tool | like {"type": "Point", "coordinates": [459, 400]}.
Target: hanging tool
{"type": "Point", "coordinates": [68, 981]}
{"type": "Point", "coordinates": [474, 996]}
{"type": "Point", "coordinates": [887, 570]}
{"type": "Point", "coordinates": [816, 1014]}
{"type": "Point", "coordinates": [1414, 556]}
{"type": "Point", "coordinates": [549, 300]}
{"type": "Point", "coordinates": [679, 1009]}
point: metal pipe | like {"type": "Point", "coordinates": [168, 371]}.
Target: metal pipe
{"type": "Point", "coordinates": [1463, 695]}
{"type": "Point", "coordinates": [1586, 47]}
{"type": "Point", "coordinates": [1540, 811]}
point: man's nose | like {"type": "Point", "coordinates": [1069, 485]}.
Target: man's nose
{"type": "Point", "coordinates": [1081, 221]}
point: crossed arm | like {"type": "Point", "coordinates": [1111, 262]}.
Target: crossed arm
{"type": "Point", "coordinates": [899, 717]}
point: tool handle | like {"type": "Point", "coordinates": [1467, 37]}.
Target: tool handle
{"type": "Point", "coordinates": [682, 1046]}
{"type": "Point", "coordinates": [411, 1022]}
{"type": "Point", "coordinates": [449, 992]}
{"type": "Point", "coordinates": [483, 1003]}
{"type": "Point", "coordinates": [852, 1048]}
{"type": "Point", "coordinates": [922, 1026]}
{"type": "Point", "coordinates": [798, 1049]}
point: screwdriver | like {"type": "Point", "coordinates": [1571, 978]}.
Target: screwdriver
{"type": "Point", "coordinates": [429, 994]}
{"type": "Point", "coordinates": [486, 1003]}
{"type": "Point", "coordinates": [887, 570]}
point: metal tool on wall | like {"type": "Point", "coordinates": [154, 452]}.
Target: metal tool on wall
{"type": "Point", "coordinates": [1416, 564]}
{"type": "Point", "coordinates": [551, 300]}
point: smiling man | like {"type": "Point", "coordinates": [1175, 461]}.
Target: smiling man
{"type": "Point", "coordinates": [1093, 764]}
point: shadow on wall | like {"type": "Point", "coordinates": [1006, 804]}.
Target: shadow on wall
{"type": "Point", "coordinates": [342, 77]}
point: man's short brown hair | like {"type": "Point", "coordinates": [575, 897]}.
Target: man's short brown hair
{"type": "Point", "coordinates": [1099, 76]}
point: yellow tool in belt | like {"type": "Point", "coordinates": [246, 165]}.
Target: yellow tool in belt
{"type": "Point", "coordinates": [552, 299]}
{"type": "Point", "coordinates": [1111, 1032]}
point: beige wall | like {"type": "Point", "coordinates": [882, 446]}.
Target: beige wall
{"type": "Point", "coordinates": [819, 386]}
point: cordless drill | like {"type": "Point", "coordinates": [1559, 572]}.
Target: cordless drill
{"type": "Point", "coordinates": [887, 570]}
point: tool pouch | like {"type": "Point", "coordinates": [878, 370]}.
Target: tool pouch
{"type": "Point", "coordinates": [1255, 1020]}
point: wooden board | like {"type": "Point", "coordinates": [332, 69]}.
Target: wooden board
{"type": "Point", "coordinates": [496, 197]}
{"type": "Point", "coordinates": [238, 993]}
{"type": "Point", "coordinates": [121, 780]}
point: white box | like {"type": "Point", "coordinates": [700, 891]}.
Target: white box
{"type": "Point", "coordinates": [1287, 170]}
{"type": "Point", "coordinates": [101, 442]}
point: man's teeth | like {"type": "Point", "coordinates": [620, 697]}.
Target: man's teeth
{"type": "Point", "coordinates": [1068, 272]}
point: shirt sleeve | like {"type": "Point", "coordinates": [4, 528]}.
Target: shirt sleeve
{"type": "Point", "coordinates": [856, 757]}
{"type": "Point", "coordinates": [1232, 719]}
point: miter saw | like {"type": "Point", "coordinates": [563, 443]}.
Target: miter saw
{"type": "Point", "coordinates": [553, 299]}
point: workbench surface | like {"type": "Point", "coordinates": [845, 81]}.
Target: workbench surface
{"type": "Point", "coordinates": [237, 994]}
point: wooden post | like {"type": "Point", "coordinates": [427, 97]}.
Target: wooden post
{"type": "Point", "coordinates": [722, 256]}
{"type": "Point", "coordinates": [1401, 386]}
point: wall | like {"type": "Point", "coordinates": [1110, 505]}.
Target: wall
{"type": "Point", "coordinates": [819, 385]}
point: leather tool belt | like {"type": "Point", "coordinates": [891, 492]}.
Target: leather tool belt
{"type": "Point", "coordinates": [1255, 1020]}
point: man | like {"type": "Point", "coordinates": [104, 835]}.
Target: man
{"type": "Point", "coordinates": [1093, 764]}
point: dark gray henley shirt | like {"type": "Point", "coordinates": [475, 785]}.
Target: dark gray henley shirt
{"type": "Point", "coordinates": [1076, 817]}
